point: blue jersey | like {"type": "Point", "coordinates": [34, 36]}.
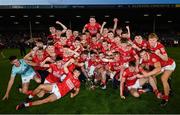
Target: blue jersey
{"type": "Point", "coordinates": [24, 69]}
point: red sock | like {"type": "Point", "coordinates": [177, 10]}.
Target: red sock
{"type": "Point", "coordinates": [166, 97]}
{"type": "Point", "coordinates": [156, 91]}
{"type": "Point", "coordinates": [31, 95]}
{"type": "Point", "coordinates": [30, 103]}
{"type": "Point", "coordinates": [29, 92]}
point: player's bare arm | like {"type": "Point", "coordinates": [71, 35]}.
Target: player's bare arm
{"type": "Point", "coordinates": [10, 84]}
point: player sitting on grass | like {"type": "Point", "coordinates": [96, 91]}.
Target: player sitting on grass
{"type": "Point", "coordinates": [134, 81]}
{"type": "Point", "coordinates": [57, 90]}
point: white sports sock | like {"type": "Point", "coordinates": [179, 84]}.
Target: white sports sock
{"type": "Point", "coordinates": [30, 96]}
{"type": "Point", "coordinates": [26, 104]}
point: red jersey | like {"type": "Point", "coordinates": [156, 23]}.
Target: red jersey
{"type": "Point", "coordinates": [143, 45]}
{"type": "Point", "coordinates": [96, 45]}
{"type": "Point", "coordinates": [104, 37]}
{"type": "Point", "coordinates": [104, 50]}
{"type": "Point", "coordinates": [68, 42]}
{"type": "Point", "coordinates": [58, 45]}
{"type": "Point", "coordinates": [68, 84]}
{"type": "Point", "coordinates": [38, 61]}
{"type": "Point", "coordinates": [100, 62]}
{"type": "Point", "coordinates": [129, 77]}
{"type": "Point", "coordinates": [80, 60]}
{"type": "Point", "coordinates": [88, 39]}
{"type": "Point", "coordinates": [112, 66]}
{"type": "Point", "coordinates": [66, 59]}
{"type": "Point", "coordinates": [153, 58]}
{"type": "Point", "coordinates": [92, 63]}
{"type": "Point", "coordinates": [113, 46]}
{"type": "Point", "coordinates": [54, 37]}
{"type": "Point", "coordinates": [72, 47]}
{"type": "Point", "coordinates": [70, 67]}
{"type": "Point", "coordinates": [109, 40]}
{"type": "Point", "coordinates": [71, 38]}
{"type": "Point", "coordinates": [93, 29]}
{"type": "Point", "coordinates": [58, 49]}
{"type": "Point", "coordinates": [110, 48]}
{"type": "Point", "coordinates": [159, 46]}
{"type": "Point", "coordinates": [127, 55]}
{"type": "Point", "coordinates": [56, 73]}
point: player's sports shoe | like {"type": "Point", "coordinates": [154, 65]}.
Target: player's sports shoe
{"type": "Point", "coordinates": [164, 102]}
{"type": "Point", "coordinates": [20, 106]}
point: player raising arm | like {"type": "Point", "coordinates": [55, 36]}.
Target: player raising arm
{"type": "Point", "coordinates": [63, 26]}
{"type": "Point", "coordinates": [93, 27]}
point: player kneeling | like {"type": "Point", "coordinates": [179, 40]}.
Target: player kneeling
{"type": "Point", "coordinates": [135, 81]}
{"type": "Point", "coordinates": [160, 66]}
{"type": "Point", "coordinates": [57, 90]}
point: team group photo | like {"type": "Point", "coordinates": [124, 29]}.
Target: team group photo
{"type": "Point", "coordinates": [113, 57]}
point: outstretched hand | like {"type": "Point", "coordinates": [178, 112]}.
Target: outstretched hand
{"type": "Point", "coordinates": [72, 95]}
{"type": "Point", "coordinates": [58, 22]}
{"type": "Point", "coordinates": [104, 23]}
{"type": "Point", "coordinates": [123, 97]}
{"type": "Point", "coordinates": [115, 20]}
{"type": "Point", "coordinates": [5, 97]}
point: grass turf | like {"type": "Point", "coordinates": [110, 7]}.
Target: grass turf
{"type": "Point", "coordinates": [97, 101]}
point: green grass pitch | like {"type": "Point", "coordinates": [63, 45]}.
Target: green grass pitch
{"type": "Point", "coordinates": [98, 101]}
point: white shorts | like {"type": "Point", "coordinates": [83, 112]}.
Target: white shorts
{"type": "Point", "coordinates": [28, 78]}
{"type": "Point", "coordinates": [46, 81]}
{"type": "Point", "coordinates": [91, 71]}
{"type": "Point", "coordinates": [55, 90]}
{"type": "Point", "coordinates": [169, 67]}
{"type": "Point", "coordinates": [86, 64]}
{"type": "Point", "coordinates": [135, 86]}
